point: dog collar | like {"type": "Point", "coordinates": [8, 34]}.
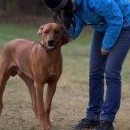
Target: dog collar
{"type": "Point", "coordinates": [43, 45]}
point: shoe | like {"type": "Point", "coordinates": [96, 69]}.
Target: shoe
{"type": "Point", "coordinates": [86, 123]}
{"type": "Point", "coordinates": [105, 125]}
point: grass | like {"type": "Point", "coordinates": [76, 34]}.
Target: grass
{"type": "Point", "coordinates": [72, 92]}
{"type": "Point", "coordinates": [11, 31]}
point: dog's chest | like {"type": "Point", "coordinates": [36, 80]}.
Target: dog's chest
{"type": "Point", "coordinates": [53, 67]}
{"type": "Point", "coordinates": [52, 71]}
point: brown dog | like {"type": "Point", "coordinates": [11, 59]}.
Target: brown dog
{"type": "Point", "coordinates": [37, 64]}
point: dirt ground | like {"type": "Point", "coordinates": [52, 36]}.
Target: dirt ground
{"type": "Point", "coordinates": [17, 113]}
{"type": "Point", "coordinates": [68, 107]}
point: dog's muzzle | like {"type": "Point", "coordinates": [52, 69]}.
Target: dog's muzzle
{"type": "Point", "coordinates": [51, 44]}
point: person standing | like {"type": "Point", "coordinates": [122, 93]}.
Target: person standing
{"type": "Point", "coordinates": [110, 20]}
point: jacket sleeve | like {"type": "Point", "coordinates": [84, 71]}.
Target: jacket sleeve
{"type": "Point", "coordinates": [114, 18]}
{"type": "Point", "coordinates": [79, 24]}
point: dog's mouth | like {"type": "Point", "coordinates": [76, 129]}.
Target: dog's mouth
{"type": "Point", "coordinates": [51, 45]}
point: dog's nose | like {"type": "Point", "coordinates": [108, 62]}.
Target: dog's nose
{"type": "Point", "coordinates": [51, 43]}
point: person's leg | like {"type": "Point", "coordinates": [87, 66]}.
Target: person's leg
{"type": "Point", "coordinates": [113, 78]}
{"type": "Point", "coordinates": [96, 90]}
{"type": "Point", "coordinates": [96, 78]}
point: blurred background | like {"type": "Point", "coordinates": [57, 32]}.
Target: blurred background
{"type": "Point", "coordinates": [21, 19]}
{"type": "Point", "coordinates": [23, 10]}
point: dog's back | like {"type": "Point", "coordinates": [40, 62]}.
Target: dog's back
{"type": "Point", "coordinates": [18, 45]}
{"type": "Point", "coordinates": [16, 53]}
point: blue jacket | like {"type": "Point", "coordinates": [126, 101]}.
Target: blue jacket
{"type": "Point", "coordinates": [108, 16]}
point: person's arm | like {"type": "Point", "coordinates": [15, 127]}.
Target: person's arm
{"type": "Point", "coordinates": [114, 18]}
{"type": "Point", "coordinates": [79, 24]}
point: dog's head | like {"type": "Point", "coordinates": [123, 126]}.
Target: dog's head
{"type": "Point", "coordinates": [53, 35]}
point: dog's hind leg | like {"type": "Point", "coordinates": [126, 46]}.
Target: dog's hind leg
{"type": "Point", "coordinates": [30, 84]}
{"type": "Point", "coordinates": [3, 80]}
{"type": "Point", "coordinates": [4, 76]}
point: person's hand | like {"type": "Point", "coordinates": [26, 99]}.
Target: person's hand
{"type": "Point", "coordinates": [104, 52]}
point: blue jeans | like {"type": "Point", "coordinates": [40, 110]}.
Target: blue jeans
{"type": "Point", "coordinates": [105, 106]}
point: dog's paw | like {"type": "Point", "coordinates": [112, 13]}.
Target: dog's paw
{"type": "Point", "coordinates": [46, 127]}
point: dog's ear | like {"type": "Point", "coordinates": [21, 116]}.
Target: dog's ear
{"type": "Point", "coordinates": [40, 30]}
{"type": "Point", "coordinates": [64, 35]}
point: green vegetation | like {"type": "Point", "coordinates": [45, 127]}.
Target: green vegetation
{"type": "Point", "coordinates": [10, 31]}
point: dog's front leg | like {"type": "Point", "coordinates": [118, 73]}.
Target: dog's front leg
{"type": "Point", "coordinates": [49, 95]}
{"type": "Point", "coordinates": [40, 106]}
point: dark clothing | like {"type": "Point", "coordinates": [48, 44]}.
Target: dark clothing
{"type": "Point", "coordinates": [111, 65]}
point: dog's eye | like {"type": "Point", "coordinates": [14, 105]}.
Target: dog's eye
{"type": "Point", "coordinates": [57, 31]}
{"type": "Point", "coordinates": [41, 28]}
{"type": "Point", "coordinates": [45, 31]}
